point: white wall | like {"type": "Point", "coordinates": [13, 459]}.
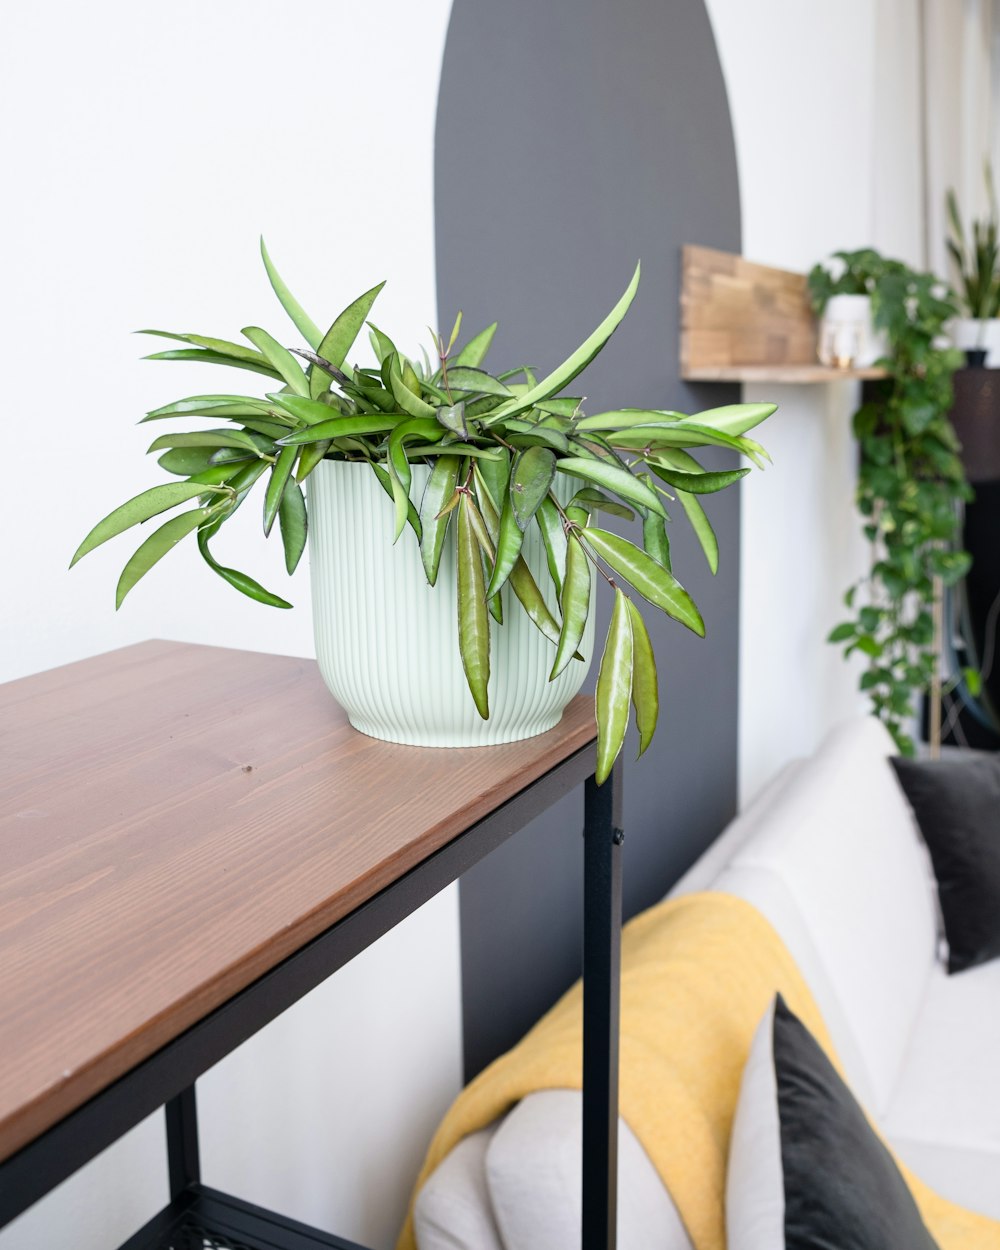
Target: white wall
{"type": "Point", "coordinates": [827, 161]}
{"type": "Point", "coordinates": [143, 153]}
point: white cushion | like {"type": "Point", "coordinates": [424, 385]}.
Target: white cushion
{"type": "Point", "coordinates": [533, 1172]}
{"type": "Point", "coordinates": [766, 891]}
{"type": "Point", "coordinates": [944, 1117]}
{"type": "Point", "coordinates": [755, 1185]}
{"type": "Point", "coordinates": [452, 1211]}
{"type": "Point", "coordinates": [842, 839]}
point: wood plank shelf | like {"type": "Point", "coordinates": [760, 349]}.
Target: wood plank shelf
{"type": "Point", "coordinates": [744, 322]}
{"type": "Point", "coordinates": [789, 375]}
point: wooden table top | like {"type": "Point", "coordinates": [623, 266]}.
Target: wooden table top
{"type": "Point", "coordinates": [174, 821]}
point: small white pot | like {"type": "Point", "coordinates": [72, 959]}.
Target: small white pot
{"type": "Point", "coordinates": [387, 643]}
{"type": "Point", "coordinates": [970, 333]}
{"type": "Point", "coordinates": [847, 334]}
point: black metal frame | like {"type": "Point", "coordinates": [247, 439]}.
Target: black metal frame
{"type": "Point", "coordinates": [167, 1077]}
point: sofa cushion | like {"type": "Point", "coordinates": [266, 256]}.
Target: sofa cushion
{"type": "Point", "coordinates": [766, 891]}
{"type": "Point", "coordinates": [956, 801]}
{"type": "Point", "coordinates": [806, 1169]}
{"type": "Point", "coordinates": [533, 1172]}
{"type": "Point", "coordinates": [452, 1210]}
{"type": "Point", "coordinates": [944, 1117]}
{"type": "Point", "coordinates": [841, 838]}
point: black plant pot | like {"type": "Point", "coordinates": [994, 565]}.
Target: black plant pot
{"type": "Point", "coordinates": [975, 357]}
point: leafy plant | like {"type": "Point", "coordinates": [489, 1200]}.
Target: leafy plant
{"type": "Point", "coordinates": [852, 273]}
{"type": "Point", "coordinates": [494, 444]}
{"type": "Point", "coordinates": [910, 485]}
{"type": "Point", "coordinates": [977, 261]}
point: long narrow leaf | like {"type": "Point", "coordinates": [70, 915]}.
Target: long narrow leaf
{"type": "Point", "coordinates": [474, 352]}
{"type": "Point", "coordinates": [156, 547]}
{"type": "Point", "coordinates": [645, 692]}
{"type": "Point", "coordinates": [575, 363]}
{"type": "Point", "coordinates": [614, 688]}
{"type": "Point", "coordinates": [293, 522]}
{"type": "Point", "coordinates": [575, 604]}
{"type": "Point", "coordinates": [280, 357]}
{"type": "Point", "coordinates": [277, 482]}
{"type": "Point", "coordinates": [239, 581]}
{"type": "Point", "coordinates": [649, 578]}
{"type": "Point", "coordinates": [302, 321]}
{"type": "Point", "coordinates": [473, 617]}
{"type": "Point", "coordinates": [614, 478]}
{"type": "Point", "coordinates": [434, 522]}
{"type": "Point", "coordinates": [142, 508]}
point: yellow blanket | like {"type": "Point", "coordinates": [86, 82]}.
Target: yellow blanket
{"type": "Point", "coordinates": [698, 974]}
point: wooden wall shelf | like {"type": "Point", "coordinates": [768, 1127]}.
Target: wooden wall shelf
{"type": "Point", "coordinates": [743, 322]}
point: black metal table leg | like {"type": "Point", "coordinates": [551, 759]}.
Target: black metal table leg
{"type": "Point", "coordinates": [602, 923]}
{"type": "Point", "coordinates": [183, 1159]}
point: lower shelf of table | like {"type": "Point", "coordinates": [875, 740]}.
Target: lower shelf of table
{"type": "Point", "coordinates": [205, 1219]}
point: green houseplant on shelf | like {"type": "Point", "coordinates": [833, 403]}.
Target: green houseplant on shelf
{"type": "Point", "coordinates": [451, 520]}
{"type": "Point", "coordinates": [910, 487]}
{"type": "Point", "coordinates": [976, 260]}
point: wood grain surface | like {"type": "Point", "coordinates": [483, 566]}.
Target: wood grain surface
{"type": "Point", "coordinates": [174, 821]}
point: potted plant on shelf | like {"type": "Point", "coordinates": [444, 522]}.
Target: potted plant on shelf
{"type": "Point", "coordinates": [841, 292]}
{"type": "Point", "coordinates": [454, 556]}
{"type": "Point", "coordinates": [977, 269]}
{"type": "Point", "coordinates": [910, 486]}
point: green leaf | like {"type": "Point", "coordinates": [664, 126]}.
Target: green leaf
{"type": "Point", "coordinates": [439, 490]}
{"type": "Point", "coordinates": [645, 693]}
{"type": "Point", "coordinates": [554, 539]}
{"type": "Point", "coordinates": [475, 381]}
{"type": "Point", "coordinates": [973, 681]}
{"type": "Point", "coordinates": [382, 345]}
{"type": "Point", "coordinates": [277, 482]}
{"type": "Point", "coordinates": [340, 427]}
{"type": "Point", "coordinates": [474, 352]}
{"type": "Point", "coordinates": [650, 579]}
{"type": "Point", "coordinates": [597, 501]}
{"type": "Point", "coordinates": [614, 688]}
{"type": "Point", "coordinates": [494, 475]}
{"type": "Point", "coordinates": [340, 337]}
{"type": "Point", "coordinates": [385, 481]}
{"type": "Point", "coordinates": [407, 400]}
{"type": "Point", "coordinates": [280, 357]}
{"type": "Point", "coordinates": [702, 528]}
{"type": "Point", "coordinates": [309, 458]}
{"type": "Point", "coordinates": [303, 323]}
{"type": "Point", "coordinates": [141, 508]}
{"type": "Point", "coordinates": [473, 617]}
{"type": "Point", "coordinates": [530, 478]}
{"type": "Point", "coordinates": [508, 548]}
{"type": "Point", "coordinates": [655, 540]}
{"type": "Point", "coordinates": [613, 478]}
{"type": "Point", "coordinates": [205, 438]}
{"type": "Point", "coordinates": [703, 483]}
{"type": "Point", "coordinates": [732, 419]}
{"type": "Point", "coordinates": [156, 547]}
{"type": "Point", "coordinates": [575, 363]}
{"type": "Point", "coordinates": [452, 417]}
{"type": "Point", "coordinates": [575, 603]}
{"type": "Point", "coordinates": [220, 347]}
{"type": "Point", "coordinates": [239, 581]}
{"type": "Point", "coordinates": [522, 582]}
{"type": "Point", "coordinates": [213, 358]}
{"type": "Point", "coordinates": [184, 461]}
{"type": "Point", "coordinates": [624, 418]}
{"type": "Point", "coordinates": [293, 523]}
{"type": "Point", "coordinates": [212, 405]}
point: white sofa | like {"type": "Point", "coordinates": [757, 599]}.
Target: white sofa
{"type": "Point", "coordinates": [830, 854]}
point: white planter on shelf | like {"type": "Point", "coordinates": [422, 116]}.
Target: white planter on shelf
{"type": "Point", "coordinates": [387, 643]}
{"type": "Point", "coordinates": [969, 333]}
{"type": "Point", "coordinates": [847, 333]}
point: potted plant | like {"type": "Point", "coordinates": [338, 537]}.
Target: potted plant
{"type": "Point", "coordinates": [977, 269]}
{"type": "Point", "coordinates": [910, 487]}
{"type": "Point", "coordinates": [450, 518]}
{"type": "Point", "coordinates": [841, 291]}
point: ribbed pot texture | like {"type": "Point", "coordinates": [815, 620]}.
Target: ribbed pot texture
{"type": "Point", "coordinates": [387, 643]}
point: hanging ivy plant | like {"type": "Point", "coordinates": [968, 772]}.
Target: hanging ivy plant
{"type": "Point", "coordinates": [911, 484]}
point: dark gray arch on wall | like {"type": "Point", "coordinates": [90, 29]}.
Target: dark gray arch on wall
{"type": "Point", "coordinates": [574, 136]}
